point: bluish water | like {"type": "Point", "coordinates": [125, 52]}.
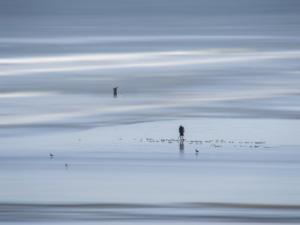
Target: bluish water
{"type": "Point", "coordinates": [226, 70]}
{"type": "Point", "coordinates": [60, 59]}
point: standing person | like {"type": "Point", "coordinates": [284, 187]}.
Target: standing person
{"type": "Point", "coordinates": [181, 133]}
{"type": "Point", "coordinates": [115, 90]}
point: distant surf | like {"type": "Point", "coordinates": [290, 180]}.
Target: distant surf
{"type": "Point", "coordinates": [131, 212]}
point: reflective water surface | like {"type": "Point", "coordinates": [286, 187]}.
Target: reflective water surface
{"type": "Point", "coordinates": [72, 153]}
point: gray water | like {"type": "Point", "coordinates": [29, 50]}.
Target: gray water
{"type": "Point", "coordinates": [227, 70]}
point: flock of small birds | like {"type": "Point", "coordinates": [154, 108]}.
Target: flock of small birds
{"type": "Point", "coordinates": [217, 143]}
{"type": "Point", "coordinates": [51, 155]}
{"type": "Point", "coordinates": [213, 143]}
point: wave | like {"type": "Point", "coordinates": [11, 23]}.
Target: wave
{"type": "Point", "coordinates": [165, 212]}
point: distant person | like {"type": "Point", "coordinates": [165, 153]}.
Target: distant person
{"type": "Point", "coordinates": [181, 133]}
{"type": "Point", "coordinates": [115, 91]}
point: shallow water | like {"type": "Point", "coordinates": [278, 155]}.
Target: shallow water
{"type": "Point", "coordinates": [171, 59]}
{"type": "Point", "coordinates": [187, 212]}
{"type": "Point", "coordinates": [149, 178]}
{"type": "Point", "coordinates": [226, 70]}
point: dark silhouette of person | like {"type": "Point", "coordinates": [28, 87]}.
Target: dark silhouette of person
{"type": "Point", "coordinates": [181, 133]}
{"type": "Point", "coordinates": [115, 91]}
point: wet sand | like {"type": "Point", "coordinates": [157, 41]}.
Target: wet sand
{"type": "Point", "coordinates": [147, 177]}
{"type": "Point", "coordinates": [228, 71]}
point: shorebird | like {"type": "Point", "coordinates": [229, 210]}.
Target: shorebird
{"type": "Point", "coordinates": [51, 155]}
{"type": "Point", "coordinates": [66, 165]}
{"type": "Point", "coordinates": [196, 151]}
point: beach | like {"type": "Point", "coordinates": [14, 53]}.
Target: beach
{"type": "Point", "coordinates": [116, 177]}
{"type": "Point", "coordinates": [73, 151]}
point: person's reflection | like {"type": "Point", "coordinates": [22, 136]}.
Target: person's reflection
{"type": "Point", "coordinates": [181, 147]}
